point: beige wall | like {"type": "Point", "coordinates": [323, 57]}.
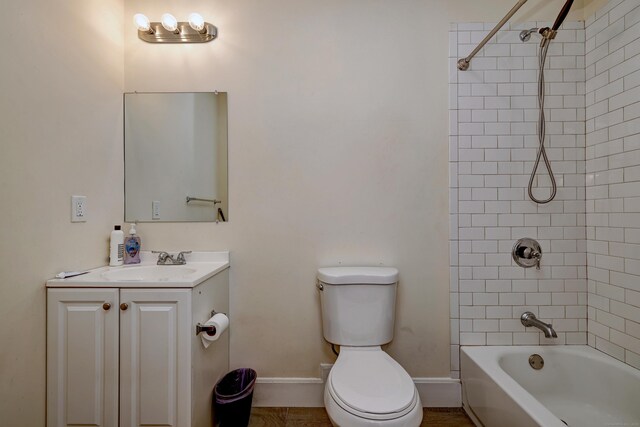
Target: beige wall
{"type": "Point", "coordinates": [337, 155]}
{"type": "Point", "coordinates": [592, 6]}
{"type": "Point", "coordinates": [338, 140]}
{"type": "Point", "coordinates": [61, 84]}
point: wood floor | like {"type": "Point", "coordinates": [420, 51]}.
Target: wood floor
{"type": "Point", "coordinates": [317, 417]}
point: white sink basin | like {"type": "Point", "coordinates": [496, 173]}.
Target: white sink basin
{"type": "Point", "coordinates": [200, 266]}
{"type": "Point", "coordinates": [151, 273]}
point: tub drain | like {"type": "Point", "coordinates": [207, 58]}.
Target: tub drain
{"type": "Point", "coordinates": [536, 362]}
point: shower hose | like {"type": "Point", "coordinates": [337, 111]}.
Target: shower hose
{"type": "Point", "coordinates": [542, 153]}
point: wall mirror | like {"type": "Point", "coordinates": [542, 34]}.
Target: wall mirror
{"type": "Point", "coordinates": [175, 157]}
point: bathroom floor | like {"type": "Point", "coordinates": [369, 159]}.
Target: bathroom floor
{"type": "Point", "coordinates": [317, 417]}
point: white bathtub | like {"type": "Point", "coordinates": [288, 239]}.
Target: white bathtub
{"type": "Point", "coordinates": [578, 385]}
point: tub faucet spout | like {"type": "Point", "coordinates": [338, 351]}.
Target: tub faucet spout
{"type": "Point", "coordinates": [530, 319]}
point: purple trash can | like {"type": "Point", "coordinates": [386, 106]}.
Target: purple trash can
{"type": "Point", "coordinates": [232, 398]}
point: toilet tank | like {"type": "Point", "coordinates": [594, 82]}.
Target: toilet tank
{"type": "Point", "coordinates": [358, 304]}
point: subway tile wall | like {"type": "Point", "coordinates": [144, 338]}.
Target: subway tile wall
{"type": "Point", "coordinates": [493, 144]}
{"type": "Point", "coordinates": [613, 179]}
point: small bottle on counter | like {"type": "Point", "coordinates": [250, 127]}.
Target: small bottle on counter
{"type": "Point", "coordinates": [132, 247]}
{"type": "Point", "coordinates": [116, 247]}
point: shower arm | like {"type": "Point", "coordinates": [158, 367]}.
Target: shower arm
{"type": "Point", "coordinates": [463, 63]}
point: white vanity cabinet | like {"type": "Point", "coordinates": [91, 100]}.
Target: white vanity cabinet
{"type": "Point", "coordinates": [155, 357]}
{"type": "Point", "coordinates": [129, 357]}
{"type": "Point", "coordinates": [82, 357]}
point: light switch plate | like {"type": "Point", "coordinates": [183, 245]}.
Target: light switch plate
{"type": "Point", "coordinates": [155, 209]}
{"type": "Point", "coordinates": [78, 208]}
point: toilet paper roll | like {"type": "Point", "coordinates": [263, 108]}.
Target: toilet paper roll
{"type": "Point", "coordinates": [221, 322]}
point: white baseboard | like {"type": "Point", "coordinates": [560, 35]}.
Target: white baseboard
{"type": "Point", "coordinates": [439, 392]}
{"type": "Point", "coordinates": [289, 392]}
{"type": "Point", "coordinates": [309, 392]}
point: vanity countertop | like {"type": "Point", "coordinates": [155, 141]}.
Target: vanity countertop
{"type": "Point", "coordinates": [199, 267]}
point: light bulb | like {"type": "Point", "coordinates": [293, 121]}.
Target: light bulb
{"type": "Point", "coordinates": [142, 22]}
{"type": "Point", "coordinates": [169, 22]}
{"type": "Point", "coordinates": [196, 21]}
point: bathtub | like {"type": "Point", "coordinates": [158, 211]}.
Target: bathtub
{"type": "Point", "coordinates": [578, 386]}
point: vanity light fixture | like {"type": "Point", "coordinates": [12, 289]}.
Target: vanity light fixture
{"type": "Point", "coordinates": [170, 30]}
{"type": "Point", "coordinates": [142, 22]}
{"type": "Point", "coordinates": [196, 21]}
{"type": "Point", "coordinates": [170, 23]}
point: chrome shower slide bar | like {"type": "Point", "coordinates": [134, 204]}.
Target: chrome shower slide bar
{"type": "Point", "coordinates": [463, 63]}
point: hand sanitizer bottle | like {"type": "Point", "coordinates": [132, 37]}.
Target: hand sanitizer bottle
{"type": "Point", "coordinates": [132, 247]}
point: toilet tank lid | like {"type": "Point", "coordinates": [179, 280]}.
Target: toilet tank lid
{"type": "Point", "coordinates": [358, 275]}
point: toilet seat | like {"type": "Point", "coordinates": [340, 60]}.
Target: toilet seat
{"type": "Point", "coordinates": [368, 383]}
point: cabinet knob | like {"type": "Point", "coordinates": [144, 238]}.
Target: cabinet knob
{"type": "Point", "coordinates": [124, 306]}
{"type": "Point", "coordinates": [106, 306]}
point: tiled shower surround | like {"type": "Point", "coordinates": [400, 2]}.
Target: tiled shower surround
{"type": "Point", "coordinates": [590, 234]}
{"type": "Point", "coordinates": [493, 146]}
{"type": "Point", "coordinates": [613, 179]}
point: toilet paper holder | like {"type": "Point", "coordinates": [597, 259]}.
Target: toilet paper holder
{"type": "Point", "coordinates": [208, 329]}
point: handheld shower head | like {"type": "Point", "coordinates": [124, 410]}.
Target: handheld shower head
{"type": "Point", "coordinates": [549, 34]}
{"type": "Point", "coordinates": [562, 15]}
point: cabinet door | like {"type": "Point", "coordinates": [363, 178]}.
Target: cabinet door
{"type": "Point", "coordinates": [155, 357]}
{"type": "Point", "coordinates": [82, 357]}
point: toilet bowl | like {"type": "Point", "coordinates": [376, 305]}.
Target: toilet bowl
{"type": "Point", "coordinates": [365, 387]}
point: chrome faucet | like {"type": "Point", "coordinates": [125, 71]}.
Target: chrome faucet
{"type": "Point", "coordinates": [530, 319]}
{"type": "Point", "coordinates": [165, 258]}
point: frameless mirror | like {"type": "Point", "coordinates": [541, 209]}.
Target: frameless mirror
{"type": "Point", "coordinates": [175, 151]}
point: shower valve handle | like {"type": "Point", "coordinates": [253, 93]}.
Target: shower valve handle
{"type": "Point", "coordinates": [527, 253]}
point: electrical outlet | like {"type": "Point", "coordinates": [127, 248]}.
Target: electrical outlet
{"type": "Point", "coordinates": [155, 209]}
{"type": "Point", "coordinates": [78, 208]}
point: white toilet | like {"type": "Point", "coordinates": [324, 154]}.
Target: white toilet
{"type": "Point", "coordinates": [365, 387]}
